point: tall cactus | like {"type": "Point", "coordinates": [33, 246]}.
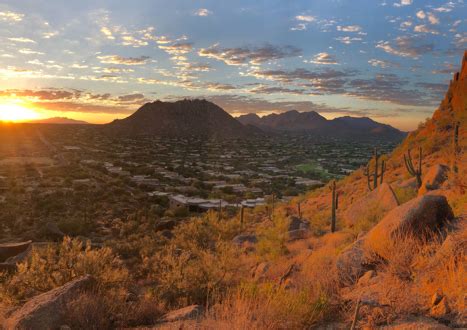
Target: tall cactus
{"type": "Point", "coordinates": [456, 147]}
{"type": "Point", "coordinates": [335, 205]}
{"type": "Point", "coordinates": [377, 173]}
{"type": "Point", "coordinates": [299, 209]}
{"type": "Point", "coordinates": [411, 168]}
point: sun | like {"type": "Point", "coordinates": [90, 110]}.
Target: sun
{"type": "Point", "coordinates": [15, 112]}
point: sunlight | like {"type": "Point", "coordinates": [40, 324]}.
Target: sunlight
{"type": "Point", "coordinates": [16, 112]}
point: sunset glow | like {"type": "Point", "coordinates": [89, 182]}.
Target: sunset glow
{"type": "Point", "coordinates": [16, 112]}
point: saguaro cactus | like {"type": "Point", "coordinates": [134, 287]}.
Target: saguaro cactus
{"type": "Point", "coordinates": [242, 211]}
{"type": "Point", "coordinates": [455, 147]}
{"type": "Point", "coordinates": [377, 173]}
{"type": "Point", "coordinates": [335, 205]}
{"type": "Point", "coordinates": [299, 210]}
{"type": "Point", "coordinates": [411, 168]}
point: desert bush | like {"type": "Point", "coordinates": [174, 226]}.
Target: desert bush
{"type": "Point", "coordinates": [272, 239]}
{"type": "Point", "coordinates": [198, 260]}
{"type": "Point", "coordinates": [404, 195]}
{"type": "Point", "coordinates": [53, 266]}
{"type": "Point", "coordinates": [266, 306]}
{"type": "Point", "coordinates": [100, 310]}
{"type": "Point", "coordinates": [370, 216]}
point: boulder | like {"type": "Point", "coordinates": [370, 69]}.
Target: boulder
{"type": "Point", "coordinates": [416, 323]}
{"type": "Point", "coordinates": [6, 267]}
{"type": "Point", "coordinates": [351, 263]}
{"type": "Point", "coordinates": [188, 313]}
{"type": "Point", "coordinates": [45, 311]}
{"type": "Point", "coordinates": [245, 238]}
{"type": "Point", "coordinates": [417, 218]}
{"type": "Point", "coordinates": [294, 235]}
{"type": "Point", "coordinates": [382, 197]}
{"type": "Point", "coordinates": [165, 225]}
{"type": "Point", "coordinates": [434, 178]}
{"type": "Point", "coordinates": [295, 223]}
{"type": "Point", "coordinates": [10, 250]}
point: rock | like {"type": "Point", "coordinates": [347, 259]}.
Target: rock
{"type": "Point", "coordinates": [408, 184]}
{"type": "Point", "coordinates": [52, 230]}
{"type": "Point", "coordinates": [187, 313]}
{"type": "Point", "coordinates": [245, 238]}
{"type": "Point", "coordinates": [7, 267]}
{"type": "Point", "coordinates": [382, 197]}
{"type": "Point", "coordinates": [9, 250]}
{"type": "Point", "coordinates": [434, 178]}
{"type": "Point", "coordinates": [351, 263]}
{"type": "Point", "coordinates": [441, 309]}
{"type": "Point", "coordinates": [260, 270]}
{"type": "Point", "coordinates": [45, 311]}
{"type": "Point", "coordinates": [417, 218]}
{"type": "Point", "coordinates": [294, 235]}
{"type": "Point", "coordinates": [167, 234]}
{"type": "Point", "coordinates": [416, 323]}
{"type": "Point", "coordinates": [165, 225]}
{"type": "Point", "coordinates": [295, 223]}
{"type": "Point", "coordinates": [366, 279]}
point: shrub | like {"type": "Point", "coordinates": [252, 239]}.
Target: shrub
{"type": "Point", "coordinates": [272, 239]}
{"type": "Point", "coordinates": [199, 260]}
{"type": "Point", "coordinates": [404, 195]}
{"type": "Point", "coordinates": [53, 266]}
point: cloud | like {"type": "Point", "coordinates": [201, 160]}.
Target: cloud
{"type": "Point", "coordinates": [74, 100]}
{"type": "Point", "coordinates": [433, 19]}
{"type": "Point", "coordinates": [421, 14]}
{"type": "Point", "coordinates": [302, 22]}
{"type": "Point", "coordinates": [202, 12]}
{"type": "Point", "coordinates": [347, 40]}
{"type": "Point", "coordinates": [248, 55]}
{"type": "Point", "coordinates": [177, 48]}
{"type": "Point", "coordinates": [305, 18]}
{"type": "Point", "coordinates": [116, 59]}
{"type": "Point", "coordinates": [10, 16]}
{"type": "Point", "coordinates": [383, 64]}
{"type": "Point", "coordinates": [22, 40]}
{"type": "Point", "coordinates": [424, 29]}
{"type": "Point", "coordinates": [349, 28]}
{"type": "Point", "coordinates": [403, 3]}
{"type": "Point", "coordinates": [323, 58]}
{"type": "Point", "coordinates": [389, 88]}
{"type": "Point", "coordinates": [406, 47]}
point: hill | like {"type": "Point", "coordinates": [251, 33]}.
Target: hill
{"type": "Point", "coordinates": [313, 122]}
{"type": "Point", "coordinates": [58, 121]}
{"type": "Point", "coordinates": [180, 119]}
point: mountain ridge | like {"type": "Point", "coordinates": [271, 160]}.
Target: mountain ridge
{"type": "Point", "coordinates": [313, 122]}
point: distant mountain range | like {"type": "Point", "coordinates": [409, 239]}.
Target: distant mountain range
{"type": "Point", "coordinates": [313, 122]}
{"type": "Point", "coordinates": [58, 120]}
{"type": "Point", "coordinates": [181, 119]}
{"type": "Point", "coordinates": [203, 118]}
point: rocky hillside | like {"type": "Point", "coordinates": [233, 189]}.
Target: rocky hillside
{"type": "Point", "coordinates": [181, 119]}
{"type": "Point", "coordinates": [313, 122]}
{"type": "Point", "coordinates": [385, 248]}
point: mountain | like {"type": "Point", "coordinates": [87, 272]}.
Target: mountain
{"type": "Point", "coordinates": [180, 119]}
{"type": "Point", "coordinates": [313, 122]}
{"type": "Point", "coordinates": [58, 121]}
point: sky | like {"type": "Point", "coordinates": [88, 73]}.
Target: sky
{"type": "Point", "coordinates": [99, 60]}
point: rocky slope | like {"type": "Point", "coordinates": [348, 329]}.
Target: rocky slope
{"type": "Point", "coordinates": [313, 122]}
{"type": "Point", "coordinates": [181, 119]}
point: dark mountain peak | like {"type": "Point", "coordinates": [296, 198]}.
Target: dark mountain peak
{"type": "Point", "coordinates": [186, 117]}
{"type": "Point", "coordinates": [313, 122]}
